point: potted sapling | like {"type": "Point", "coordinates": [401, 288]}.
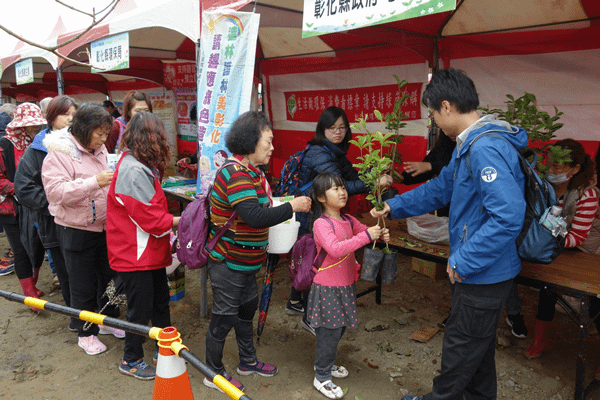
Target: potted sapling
{"type": "Point", "coordinates": [372, 165]}
{"type": "Point", "coordinates": [393, 124]}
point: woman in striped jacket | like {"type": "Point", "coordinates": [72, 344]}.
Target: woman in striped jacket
{"type": "Point", "coordinates": [574, 184]}
{"type": "Point", "coordinates": [241, 187]}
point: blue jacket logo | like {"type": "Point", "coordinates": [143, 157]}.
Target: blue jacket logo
{"type": "Point", "coordinates": [489, 174]}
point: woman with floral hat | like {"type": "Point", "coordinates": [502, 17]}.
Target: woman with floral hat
{"type": "Point", "coordinates": [27, 122]}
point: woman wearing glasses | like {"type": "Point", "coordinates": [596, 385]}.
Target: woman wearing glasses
{"type": "Point", "coordinates": [327, 152]}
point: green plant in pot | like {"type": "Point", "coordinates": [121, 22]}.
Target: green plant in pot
{"type": "Point", "coordinates": [540, 127]}
{"type": "Point", "coordinates": [372, 166]}
{"type": "Point", "coordinates": [393, 123]}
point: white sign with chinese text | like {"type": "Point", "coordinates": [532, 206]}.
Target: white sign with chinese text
{"type": "Point", "coordinates": [110, 53]}
{"type": "Point", "coordinates": [328, 16]}
{"type": "Point", "coordinates": [24, 71]}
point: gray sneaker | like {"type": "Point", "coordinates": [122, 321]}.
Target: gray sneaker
{"type": "Point", "coordinates": [307, 326]}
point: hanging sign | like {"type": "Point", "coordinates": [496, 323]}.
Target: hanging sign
{"type": "Point", "coordinates": [328, 16]}
{"type": "Point", "coordinates": [24, 71]}
{"type": "Point", "coordinates": [110, 53]}
{"type": "Point", "coordinates": [228, 49]}
{"type": "Point", "coordinates": [177, 75]}
{"type": "Point", "coordinates": [307, 106]}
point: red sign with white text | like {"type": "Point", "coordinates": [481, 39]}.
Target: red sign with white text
{"type": "Point", "coordinates": [176, 75]}
{"type": "Point", "coordinates": [307, 106]}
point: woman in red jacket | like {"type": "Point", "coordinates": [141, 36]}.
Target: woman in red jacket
{"type": "Point", "coordinates": [138, 227]}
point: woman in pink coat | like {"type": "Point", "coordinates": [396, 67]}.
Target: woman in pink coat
{"type": "Point", "coordinates": [76, 179]}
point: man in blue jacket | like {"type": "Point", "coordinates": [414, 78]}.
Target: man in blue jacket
{"type": "Point", "coordinates": [487, 208]}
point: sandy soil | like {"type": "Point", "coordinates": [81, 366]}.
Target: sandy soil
{"type": "Point", "coordinates": [39, 357]}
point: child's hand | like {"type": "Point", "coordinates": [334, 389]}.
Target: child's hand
{"type": "Point", "coordinates": [385, 234]}
{"type": "Point", "coordinates": [375, 232]}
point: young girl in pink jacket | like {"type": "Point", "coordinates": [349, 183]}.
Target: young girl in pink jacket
{"type": "Point", "coordinates": [332, 298]}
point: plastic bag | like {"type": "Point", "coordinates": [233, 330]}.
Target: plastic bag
{"type": "Point", "coordinates": [429, 228]}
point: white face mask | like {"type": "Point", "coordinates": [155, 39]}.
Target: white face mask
{"type": "Point", "coordinates": [557, 179]}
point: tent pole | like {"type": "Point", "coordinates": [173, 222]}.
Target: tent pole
{"type": "Point", "coordinates": [436, 55]}
{"type": "Point", "coordinates": [59, 82]}
{"type": "Point", "coordinates": [203, 272]}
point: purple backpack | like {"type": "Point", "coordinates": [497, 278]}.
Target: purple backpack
{"type": "Point", "coordinates": [192, 232]}
{"type": "Point", "coordinates": [305, 262]}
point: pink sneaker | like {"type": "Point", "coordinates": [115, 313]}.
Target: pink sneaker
{"type": "Point", "coordinates": [107, 330]}
{"type": "Point", "coordinates": [91, 345]}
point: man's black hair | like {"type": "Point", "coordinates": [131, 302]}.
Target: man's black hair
{"type": "Point", "coordinates": [455, 87]}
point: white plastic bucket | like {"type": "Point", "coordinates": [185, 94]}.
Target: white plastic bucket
{"type": "Point", "coordinates": [282, 237]}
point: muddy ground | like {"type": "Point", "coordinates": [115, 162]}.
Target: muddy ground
{"type": "Point", "coordinates": [40, 359]}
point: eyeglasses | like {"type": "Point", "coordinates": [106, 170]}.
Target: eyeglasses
{"type": "Point", "coordinates": [340, 129]}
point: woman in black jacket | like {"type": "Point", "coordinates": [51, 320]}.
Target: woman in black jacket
{"type": "Point", "coordinates": [327, 152]}
{"type": "Point", "coordinates": [37, 225]}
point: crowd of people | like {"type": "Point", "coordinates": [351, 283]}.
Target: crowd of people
{"type": "Point", "coordinates": [98, 224]}
{"type": "Point", "coordinates": [59, 196]}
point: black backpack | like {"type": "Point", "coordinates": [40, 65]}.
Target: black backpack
{"type": "Point", "coordinates": [535, 243]}
{"type": "Point", "coordinates": [290, 175]}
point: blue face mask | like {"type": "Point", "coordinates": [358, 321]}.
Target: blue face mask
{"type": "Point", "coordinates": [557, 179]}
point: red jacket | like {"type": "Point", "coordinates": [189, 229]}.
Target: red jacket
{"type": "Point", "coordinates": [138, 222]}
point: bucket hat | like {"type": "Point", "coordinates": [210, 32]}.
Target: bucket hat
{"type": "Point", "coordinates": [26, 114]}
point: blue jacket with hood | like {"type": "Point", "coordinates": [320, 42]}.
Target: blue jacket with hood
{"type": "Point", "coordinates": [487, 205]}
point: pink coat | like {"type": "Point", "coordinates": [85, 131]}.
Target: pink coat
{"type": "Point", "coordinates": [339, 242]}
{"type": "Point", "coordinates": [69, 176]}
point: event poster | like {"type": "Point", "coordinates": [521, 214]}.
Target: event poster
{"type": "Point", "coordinates": [307, 106]}
{"type": "Point", "coordinates": [228, 49]}
{"type": "Point", "coordinates": [187, 113]}
{"type": "Point", "coordinates": [328, 16]}
{"type": "Point", "coordinates": [163, 107]}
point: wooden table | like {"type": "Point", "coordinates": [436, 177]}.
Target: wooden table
{"type": "Point", "coordinates": [573, 273]}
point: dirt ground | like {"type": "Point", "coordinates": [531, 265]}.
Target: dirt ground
{"type": "Point", "coordinates": [39, 357]}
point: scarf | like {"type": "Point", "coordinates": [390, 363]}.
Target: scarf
{"type": "Point", "coordinates": [19, 138]}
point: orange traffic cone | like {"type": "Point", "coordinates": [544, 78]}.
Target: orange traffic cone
{"type": "Point", "coordinates": [171, 381]}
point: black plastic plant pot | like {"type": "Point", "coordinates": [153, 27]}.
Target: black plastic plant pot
{"type": "Point", "coordinates": [390, 193]}
{"type": "Point", "coordinates": [372, 260]}
{"type": "Point", "coordinates": [389, 268]}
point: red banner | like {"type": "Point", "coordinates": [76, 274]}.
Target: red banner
{"type": "Point", "coordinates": [179, 74]}
{"type": "Point", "coordinates": [307, 106]}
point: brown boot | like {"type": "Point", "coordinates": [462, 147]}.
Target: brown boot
{"type": "Point", "coordinates": [541, 339]}
{"type": "Point", "coordinates": [29, 290]}
{"type": "Point", "coordinates": [36, 275]}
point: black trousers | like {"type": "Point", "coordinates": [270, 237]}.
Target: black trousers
{"type": "Point", "coordinates": [235, 299]}
{"type": "Point", "coordinates": [86, 259]}
{"type": "Point", "coordinates": [147, 300]}
{"type": "Point", "coordinates": [468, 352]}
{"type": "Point", "coordinates": [23, 265]}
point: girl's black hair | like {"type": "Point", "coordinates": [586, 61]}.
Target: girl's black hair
{"type": "Point", "coordinates": [322, 183]}
{"type": "Point", "coordinates": [328, 118]}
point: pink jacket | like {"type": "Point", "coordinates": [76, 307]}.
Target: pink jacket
{"type": "Point", "coordinates": [339, 242]}
{"type": "Point", "coordinates": [69, 176]}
